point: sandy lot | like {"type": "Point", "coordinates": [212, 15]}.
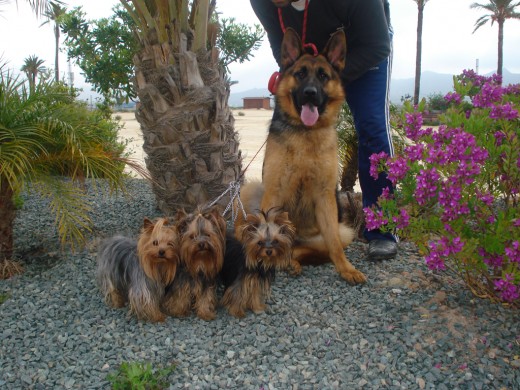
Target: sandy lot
{"type": "Point", "coordinates": [251, 125]}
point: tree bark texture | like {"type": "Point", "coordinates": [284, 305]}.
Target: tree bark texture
{"type": "Point", "coordinates": [192, 150]}
{"type": "Point", "coordinates": [7, 215]}
{"type": "Point", "coordinates": [418, 55]}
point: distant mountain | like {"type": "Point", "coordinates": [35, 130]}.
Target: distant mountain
{"type": "Point", "coordinates": [431, 83]}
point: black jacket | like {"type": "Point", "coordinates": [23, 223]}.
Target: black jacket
{"type": "Point", "coordinates": [365, 22]}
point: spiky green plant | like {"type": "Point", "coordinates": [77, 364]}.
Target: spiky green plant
{"type": "Point", "coordinates": [45, 135]}
{"type": "Point", "coordinates": [137, 376]}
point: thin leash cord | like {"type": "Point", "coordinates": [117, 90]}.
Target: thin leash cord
{"type": "Point", "coordinates": [304, 28]}
{"type": "Point", "coordinates": [234, 191]}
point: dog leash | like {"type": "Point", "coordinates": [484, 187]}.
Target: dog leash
{"type": "Point", "coordinates": [272, 85]}
{"type": "Point", "coordinates": [311, 46]}
{"type": "Point", "coordinates": [234, 191]}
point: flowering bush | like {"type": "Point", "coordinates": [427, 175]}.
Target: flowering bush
{"type": "Point", "coordinates": [457, 187]}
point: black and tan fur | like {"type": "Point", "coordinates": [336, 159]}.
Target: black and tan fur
{"type": "Point", "coordinates": [137, 273]}
{"type": "Point", "coordinates": [261, 246]}
{"type": "Point", "coordinates": [202, 245]}
{"type": "Point", "coordinates": [300, 171]}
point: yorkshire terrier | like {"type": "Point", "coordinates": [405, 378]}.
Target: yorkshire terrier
{"type": "Point", "coordinates": [138, 273]}
{"type": "Point", "coordinates": [202, 245]}
{"type": "Point", "coordinates": [262, 244]}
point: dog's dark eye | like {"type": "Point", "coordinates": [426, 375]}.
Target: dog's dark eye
{"type": "Point", "coordinates": [171, 244]}
{"type": "Point", "coordinates": [322, 75]}
{"type": "Point", "coordinates": [275, 242]}
{"type": "Point", "coordinates": [155, 242]}
{"type": "Point", "coordinates": [301, 73]}
{"type": "Point", "coordinates": [260, 243]}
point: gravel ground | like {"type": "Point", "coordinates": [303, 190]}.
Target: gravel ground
{"type": "Point", "coordinates": [407, 328]}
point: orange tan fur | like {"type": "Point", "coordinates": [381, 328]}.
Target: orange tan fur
{"type": "Point", "coordinates": [265, 240]}
{"type": "Point", "coordinates": [138, 273]}
{"type": "Point", "coordinates": [300, 169]}
{"type": "Point", "coordinates": [202, 246]}
{"type": "Point", "coordinates": [157, 249]}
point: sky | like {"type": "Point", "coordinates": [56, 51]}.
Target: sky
{"type": "Point", "coordinates": [449, 46]}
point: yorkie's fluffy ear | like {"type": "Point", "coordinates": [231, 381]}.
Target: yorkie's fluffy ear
{"type": "Point", "coordinates": [147, 223]}
{"type": "Point", "coordinates": [181, 219]}
{"type": "Point", "coordinates": [248, 227]}
{"type": "Point", "coordinates": [286, 226]}
{"type": "Point", "coordinates": [214, 214]}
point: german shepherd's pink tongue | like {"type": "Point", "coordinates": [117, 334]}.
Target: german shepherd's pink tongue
{"type": "Point", "coordinates": [309, 115]}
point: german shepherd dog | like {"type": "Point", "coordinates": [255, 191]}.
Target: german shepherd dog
{"type": "Point", "coordinates": [300, 171]}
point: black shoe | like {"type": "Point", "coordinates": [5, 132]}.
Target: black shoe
{"type": "Point", "coordinates": [382, 249]}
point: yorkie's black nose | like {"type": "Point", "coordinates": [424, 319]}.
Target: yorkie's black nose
{"type": "Point", "coordinates": [161, 253]}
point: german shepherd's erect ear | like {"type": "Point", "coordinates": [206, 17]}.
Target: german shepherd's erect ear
{"type": "Point", "coordinates": [336, 50]}
{"type": "Point", "coordinates": [291, 48]}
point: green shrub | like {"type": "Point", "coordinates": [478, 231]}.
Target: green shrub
{"type": "Point", "coordinates": [135, 375]}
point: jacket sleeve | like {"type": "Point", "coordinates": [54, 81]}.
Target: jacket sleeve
{"type": "Point", "coordinates": [267, 14]}
{"type": "Point", "coordinates": [366, 22]}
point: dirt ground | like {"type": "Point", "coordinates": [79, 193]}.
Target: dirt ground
{"type": "Point", "coordinates": [251, 125]}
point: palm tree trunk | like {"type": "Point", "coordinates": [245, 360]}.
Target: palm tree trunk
{"type": "Point", "coordinates": [500, 47]}
{"type": "Point", "coordinates": [56, 59]}
{"type": "Point", "coordinates": [418, 55]}
{"type": "Point", "coordinates": [7, 215]}
{"type": "Point", "coordinates": [188, 128]}
{"type": "Point", "coordinates": [349, 174]}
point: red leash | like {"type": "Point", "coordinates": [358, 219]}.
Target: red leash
{"type": "Point", "coordinates": [311, 46]}
{"type": "Point", "coordinates": [272, 85]}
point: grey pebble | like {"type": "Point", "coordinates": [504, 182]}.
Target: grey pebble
{"type": "Point", "coordinates": [318, 332]}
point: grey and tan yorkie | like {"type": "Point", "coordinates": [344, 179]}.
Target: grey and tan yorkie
{"type": "Point", "coordinates": [137, 273]}
{"type": "Point", "coordinates": [261, 246]}
{"type": "Point", "coordinates": [202, 244]}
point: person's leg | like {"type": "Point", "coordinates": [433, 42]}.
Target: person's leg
{"type": "Point", "coordinates": [368, 100]}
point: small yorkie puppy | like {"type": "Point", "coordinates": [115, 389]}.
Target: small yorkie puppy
{"type": "Point", "coordinates": [202, 244]}
{"type": "Point", "coordinates": [262, 244]}
{"type": "Point", "coordinates": [138, 273]}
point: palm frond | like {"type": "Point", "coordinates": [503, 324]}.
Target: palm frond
{"type": "Point", "coordinates": [68, 203]}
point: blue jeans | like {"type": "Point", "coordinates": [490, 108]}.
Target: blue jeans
{"type": "Point", "coordinates": [368, 100]}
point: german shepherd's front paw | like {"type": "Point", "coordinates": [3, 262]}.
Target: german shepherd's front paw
{"type": "Point", "coordinates": [294, 268]}
{"type": "Point", "coordinates": [353, 276]}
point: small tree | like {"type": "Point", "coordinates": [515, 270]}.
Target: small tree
{"type": "Point", "coordinates": [499, 11]}
{"type": "Point", "coordinates": [44, 135]}
{"type": "Point", "coordinates": [54, 13]}
{"type": "Point", "coordinates": [32, 67]}
{"type": "Point", "coordinates": [418, 55]}
{"type": "Point", "coordinates": [104, 49]}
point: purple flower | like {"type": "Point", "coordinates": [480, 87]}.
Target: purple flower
{"type": "Point", "coordinates": [485, 198]}
{"type": "Point", "coordinates": [505, 111]}
{"type": "Point", "coordinates": [489, 94]}
{"type": "Point", "coordinates": [434, 261]}
{"type": "Point", "coordinates": [507, 290]}
{"type": "Point", "coordinates": [414, 152]}
{"type": "Point", "coordinates": [450, 197]}
{"type": "Point", "coordinates": [386, 194]}
{"type": "Point", "coordinates": [426, 187]}
{"type": "Point", "coordinates": [375, 160]}
{"type": "Point", "coordinates": [413, 126]}
{"type": "Point", "coordinates": [374, 219]}
{"type": "Point", "coordinates": [397, 169]}
{"type": "Point", "coordinates": [513, 252]}
{"type": "Point", "coordinates": [453, 97]}
{"type": "Point", "coordinates": [402, 220]}
{"type": "Point", "coordinates": [493, 260]}
{"type": "Point", "coordinates": [441, 249]}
